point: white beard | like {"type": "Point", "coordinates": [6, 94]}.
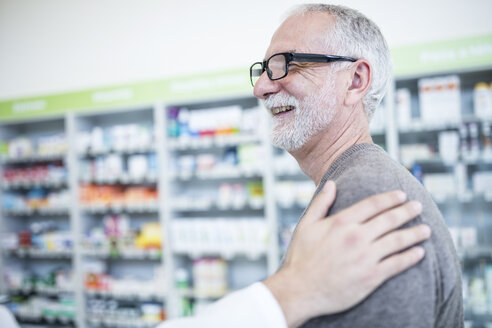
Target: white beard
{"type": "Point", "coordinates": [311, 115]}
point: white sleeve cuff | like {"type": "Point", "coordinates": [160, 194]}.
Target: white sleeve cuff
{"type": "Point", "coordinates": [253, 306]}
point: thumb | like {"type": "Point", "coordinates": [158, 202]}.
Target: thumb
{"type": "Point", "coordinates": [321, 204]}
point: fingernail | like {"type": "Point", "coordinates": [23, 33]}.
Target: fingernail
{"type": "Point", "coordinates": [417, 206]}
{"type": "Point", "coordinates": [401, 195]}
{"type": "Point", "coordinates": [426, 231]}
{"type": "Point", "coordinates": [419, 251]}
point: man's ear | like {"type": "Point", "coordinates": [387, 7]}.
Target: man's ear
{"type": "Point", "coordinates": [361, 77]}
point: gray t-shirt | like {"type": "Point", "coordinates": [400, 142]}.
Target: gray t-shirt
{"type": "Point", "coordinates": [427, 295]}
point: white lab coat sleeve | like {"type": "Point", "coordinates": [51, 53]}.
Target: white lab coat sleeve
{"type": "Point", "coordinates": [7, 319]}
{"type": "Point", "coordinates": [253, 306]}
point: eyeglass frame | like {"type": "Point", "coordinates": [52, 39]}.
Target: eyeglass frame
{"type": "Point", "coordinates": [299, 57]}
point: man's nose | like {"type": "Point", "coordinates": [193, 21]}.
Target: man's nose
{"type": "Point", "coordinates": [265, 87]}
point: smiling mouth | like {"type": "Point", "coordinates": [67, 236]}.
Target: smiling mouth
{"type": "Point", "coordinates": [281, 109]}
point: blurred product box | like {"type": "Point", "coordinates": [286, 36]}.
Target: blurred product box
{"type": "Point", "coordinates": [440, 99]}
{"type": "Point", "coordinates": [403, 107]}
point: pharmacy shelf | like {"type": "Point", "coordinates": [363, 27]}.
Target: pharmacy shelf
{"type": "Point", "coordinates": [110, 321]}
{"type": "Point", "coordinates": [190, 293]}
{"type": "Point", "coordinates": [40, 254]}
{"type": "Point", "coordinates": [128, 297]}
{"type": "Point", "coordinates": [219, 174]}
{"type": "Point", "coordinates": [122, 151]}
{"type": "Point", "coordinates": [213, 205]}
{"type": "Point", "coordinates": [53, 184]}
{"type": "Point", "coordinates": [475, 253]}
{"type": "Point", "coordinates": [285, 173]}
{"type": "Point", "coordinates": [135, 254]}
{"type": "Point", "coordinates": [220, 141]}
{"type": "Point", "coordinates": [36, 212]}
{"type": "Point", "coordinates": [40, 290]}
{"type": "Point", "coordinates": [422, 127]}
{"type": "Point", "coordinates": [294, 205]}
{"type": "Point", "coordinates": [438, 161]}
{"type": "Point", "coordinates": [32, 159]}
{"type": "Point", "coordinates": [150, 207]}
{"type": "Point", "coordinates": [469, 198]}
{"type": "Point", "coordinates": [123, 179]}
{"type": "Point", "coordinates": [41, 321]}
{"type": "Point", "coordinates": [203, 207]}
{"type": "Point", "coordinates": [478, 318]}
{"type": "Point", "coordinates": [227, 255]}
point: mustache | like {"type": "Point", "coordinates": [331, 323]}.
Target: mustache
{"type": "Point", "coordinates": [279, 100]}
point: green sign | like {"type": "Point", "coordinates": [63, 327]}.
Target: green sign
{"type": "Point", "coordinates": [181, 89]}
{"type": "Point", "coordinates": [444, 56]}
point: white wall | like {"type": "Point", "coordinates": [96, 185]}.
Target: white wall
{"type": "Point", "coordinates": [53, 46]}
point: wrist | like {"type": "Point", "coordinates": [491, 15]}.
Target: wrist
{"type": "Point", "coordinates": [287, 290]}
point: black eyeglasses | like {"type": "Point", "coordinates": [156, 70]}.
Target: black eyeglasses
{"type": "Point", "coordinates": [277, 66]}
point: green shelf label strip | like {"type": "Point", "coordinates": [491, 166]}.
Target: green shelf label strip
{"type": "Point", "coordinates": [444, 56]}
{"type": "Point", "coordinates": [170, 90]}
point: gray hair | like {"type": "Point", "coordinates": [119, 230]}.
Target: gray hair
{"type": "Point", "coordinates": [357, 36]}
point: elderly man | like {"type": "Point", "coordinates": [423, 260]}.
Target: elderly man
{"type": "Point", "coordinates": [325, 72]}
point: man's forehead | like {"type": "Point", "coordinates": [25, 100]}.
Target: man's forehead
{"type": "Point", "coordinates": [302, 33]}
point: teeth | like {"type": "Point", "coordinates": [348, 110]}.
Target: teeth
{"type": "Point", "coordinates": [281, 109]}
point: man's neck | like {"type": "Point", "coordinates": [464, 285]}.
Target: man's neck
{"type": "Point", "coordinates": [317, 155]}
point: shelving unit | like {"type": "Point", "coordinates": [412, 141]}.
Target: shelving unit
{"type": "Point", "coordinates": [37, 269]}
{"type": "Point", "coordinates": [122, 267]}
{"type": "Point", "coordinates": [219, 218]}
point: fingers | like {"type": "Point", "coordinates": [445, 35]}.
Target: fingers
{"type": "Point", "coordinates": [398, 263]}
{"type": "Point", "coordinates": [392, 219]}
{"type": "Point", "coordinates": [369, 207]}
{"type": "Point", "coordinates": [321, 204]}
{"type": "Point", "coordinates": [399, 240]}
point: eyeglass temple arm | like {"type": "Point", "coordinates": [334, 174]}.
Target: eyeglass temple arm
{"type": "Point", "coordinates": [319, 58]}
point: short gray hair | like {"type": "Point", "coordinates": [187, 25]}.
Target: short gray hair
{"type": "Point", "coordinates": [357, 36]}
